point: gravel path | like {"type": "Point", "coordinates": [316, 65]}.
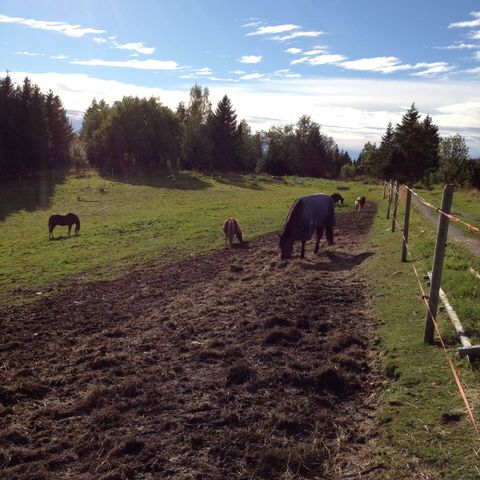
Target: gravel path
{"type": "Point", "coordinates": [469, 241]}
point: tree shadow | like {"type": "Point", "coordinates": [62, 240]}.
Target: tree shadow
{"type": "Point", "coordinates": [30, 193]}
{"type": "Point", "coordinates": [160, 179]}
{"type": "Point", "coordinates": [338, 261]}
{"type": "Point", "coordinates": [238, 180]}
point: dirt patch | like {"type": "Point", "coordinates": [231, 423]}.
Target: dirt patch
{"type": "Point", "coordinates": [231, 365]}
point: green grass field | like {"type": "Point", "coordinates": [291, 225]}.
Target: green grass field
{"type": "Point", "coordinates": [132, 222]}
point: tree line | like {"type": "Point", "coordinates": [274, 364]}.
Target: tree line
{"type": "Point", "coordinates": [137, 133]}
{"type": "Point", "coordinates": [35, 132]}
{"type": "Point", "coordinates": [413, 151]}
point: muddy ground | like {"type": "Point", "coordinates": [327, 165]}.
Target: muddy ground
{"type": "Point", "coordinates": [232, 365]}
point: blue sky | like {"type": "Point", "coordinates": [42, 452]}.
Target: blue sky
{"type": "Point", "coordinates": [352, 65]}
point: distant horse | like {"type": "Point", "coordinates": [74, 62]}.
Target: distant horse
{"type": "Point", "coordinates": [231, 228]}
{"type": "Point", "coordinates": [68, 219]}
{"type": "Point", "coordinates": [308, 214]}
{"type": "Point", "coordinates": [336, 197]}
{"type": "Point", "coordinates": [359, 204]}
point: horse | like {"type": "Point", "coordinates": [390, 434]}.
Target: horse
{"type": "Point", "coordinates": [336, 197]}
{"type": "Point", "coordinates": [68, 219]}
{"type": "Point", "coordinates": [231, 228]}
{"type": "Point", "coordinates": [359, 204]}
{"type": "Point", "coordinates": [307, 214]}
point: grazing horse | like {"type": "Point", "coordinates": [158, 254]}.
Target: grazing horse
{"type": "Point", "coordinates": [68, 219]}
{"type": "Point", "coordinates": [336, 197]}
{"type": "Point", "coordinates": [231, 228]}
{"type": "Point", "coordinates": [307, 214]}
{"type": "Point", "coordinates": [359, 204]}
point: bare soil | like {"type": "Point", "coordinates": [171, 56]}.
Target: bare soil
{"type": "Point", "coordinates": [230, 365]}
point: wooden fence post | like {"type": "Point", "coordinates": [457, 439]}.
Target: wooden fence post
{"type": "Point", "coordinates": [440, 245]}
{"type": "Point", "coordinates": [390, 188]}
{"type": "Point", "coordinates": [395, 206]}
{"type": "Point", "coordinates": [406, 223]}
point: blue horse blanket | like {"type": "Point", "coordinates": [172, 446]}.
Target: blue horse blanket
{"type": "Point", "coordinates": [318, 211]}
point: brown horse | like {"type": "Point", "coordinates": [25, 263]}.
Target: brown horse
{"type": "Point", "coordinates": [313, 213]}
{"type": "Point", "coordinates": [231, 228]}
{"type": "Point", "coordinates": [336, 197]}
{"type": "Point", "coordinates": [68, 219]}
{"type": "Point", "coordinates": [359, 204]}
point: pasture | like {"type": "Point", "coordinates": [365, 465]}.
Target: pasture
{"type": "Point", "coordinates": [154, 352]}
{"type": "Point", "coordinates": [128, 223]}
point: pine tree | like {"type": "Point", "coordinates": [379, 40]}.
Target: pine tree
{"type": "Point", "coordinates": [225, 138]}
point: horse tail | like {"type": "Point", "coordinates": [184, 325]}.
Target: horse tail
{"type": "Point", "coordinates": [341, 198]}
{"type": "Point", "coordinates": [77, 224]}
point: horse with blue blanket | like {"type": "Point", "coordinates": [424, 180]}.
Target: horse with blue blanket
{"type": "Point", "coordinates": [312, 213]}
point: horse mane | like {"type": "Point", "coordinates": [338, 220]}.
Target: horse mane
{"type": "Point", "coordinates": [293, 215]}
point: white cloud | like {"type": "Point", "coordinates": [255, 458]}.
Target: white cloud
{"type": "Point", "coordinates": [250, 59]}
{"type": "Point", "coordinates": [138, 47]}
{"type": "Point", "coordinates": [269, 30]}
{"type": "Point", "coordinates": [203, 71]}
{"type": "Point", "coordinates": [316, 50]}
{"type": "Point", "coordinates": [432, 69]}
{"type": "Point", "coordinates": [474, 35]}
{"type": "Point", "coordinates": [293, 51]}
{"type": "Point", "coordinates": [253, 76]}
{"type": "Point", "coordinates": [476, 56]}
{"type": "Point", "coordinates": [59, 57]}
{"type": "Point", "coordinates": [28, 54]}
{"type": "Point", "coordinates": [60, 27]}
{"type": "Point", "coordinates": [375, 64]}
{"type": "Point", "coordinates": [459, 46]}
{"type": "Point", "coordinates": [324, 59]}
{"type": "Point", "coordinates": [291, 36]}
{"type": "Point", "coordinates": [468, 23]}
{"type": "Point", "coordinates": [138, 64]}
{"type": "Point", "coordinates": [237, 72]}
{"type": "Point", "coordinates": [475, 70]}
{"type": "Point", "coordinates": [253, 24]}
{"type": "Point", "coordinates": [99, 40]}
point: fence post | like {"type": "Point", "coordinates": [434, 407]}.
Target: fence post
{"type": "Point", "coordinates": [395, 206]}
{"type": "Point", "coordinates": [406, 223]}
{"type": "Point", "coordinates": [442, 232]}
{"type": "Point", "coordinates": [390, 188]}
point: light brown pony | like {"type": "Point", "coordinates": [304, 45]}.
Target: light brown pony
{"type": "Point", "coordinates": [231, 228]}
{"type": "Point", "coordinates": [359, 204]}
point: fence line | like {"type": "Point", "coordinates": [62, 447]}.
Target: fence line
{"type": "Point", "coordinates": [435, 323]}
{"type": "Point", "coordinates": [453, 218]}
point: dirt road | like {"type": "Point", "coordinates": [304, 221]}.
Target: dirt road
{"type": "Point", "coordinates": [469, 241]}
{"type": "Point", "coordinates": [231, 365]}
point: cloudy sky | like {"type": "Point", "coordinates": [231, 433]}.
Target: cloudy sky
{"type": "Point", "coordinates": [352, 65]}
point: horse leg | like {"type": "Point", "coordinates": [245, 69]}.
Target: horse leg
{"type": "Point", "coordinates": [69, 228]}
{"type": "Point", "coordinates": [319, 237]}
{"type": "Point", "coordinates": [50, 232]}
{"type": "Point", "coordinates": [302, 253]}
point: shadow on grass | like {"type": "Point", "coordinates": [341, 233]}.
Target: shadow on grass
{"type": "Point", "coordinates": [241, 181]}
{"type": "Point", "coordinates": [160, 179]}
{"type": "Point", "coordinates": [28, 194]}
